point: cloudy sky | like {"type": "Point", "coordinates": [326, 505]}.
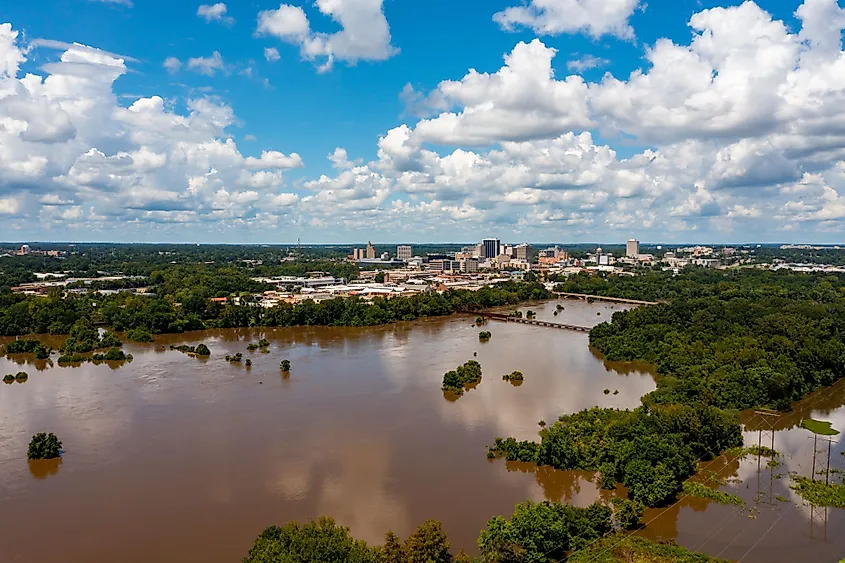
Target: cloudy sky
{"type": "Point", "coordinates": [422, 120]}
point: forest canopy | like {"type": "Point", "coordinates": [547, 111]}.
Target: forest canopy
{"type": "Point", "coordinates": [721, 341]}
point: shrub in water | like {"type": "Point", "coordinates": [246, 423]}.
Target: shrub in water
{"type": "Point", "coordinates": [44, 446]}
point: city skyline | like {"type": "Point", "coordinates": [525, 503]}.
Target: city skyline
{"type": "Point", "coordinates": [333, 121]}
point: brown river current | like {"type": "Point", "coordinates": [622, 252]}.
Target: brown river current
{"type": "Point", "coordinates": [173, 458]}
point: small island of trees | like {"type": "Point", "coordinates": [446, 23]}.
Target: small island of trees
{"type": "Point", "coordinates": [44, 446]}
{"type": "Point", "coordinates": [285, 365]}
{"type": "Point", "coordinates": [113, 355]}
{"type": "Point", "coordinates": [514, 377]}
{"type": "Point", "coordinates": [29, 346]}
{"type": "Point", "coordinates": [20, 377]}
{"type": "Point", "coordinates": [234, 359]}
{"type": "Point", "coordinates": [484, 335]}
{"type": "Point", "coordinates": [85, 338]}
{"type": "Point", "coordinates": [463, 377]}
{"type": "Point", "coordinates": [198, 350]}
{"type": "Point", "coordinates": [262, 345]}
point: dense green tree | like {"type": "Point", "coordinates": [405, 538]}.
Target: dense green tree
{"type": "Point", "coordinates": [652, 450]}
{"type": "Point", "coordinates": [322, 541]}
{"type": "Point", "coordinates": [392, 551]}
{"type": "Point", "coordinates": [44, 446]}
{"type": "Point", "coordinates": [465, 375]}
{"type": "Point", "coordinates": [110, 340]}
{"type": "Point", "coordinates": [537, 533]}
{"type": "Point", "coordinates": [428, 544]}
{"type": "Point", "coordinates": [140, 334]}
{"type": "Point", "coordinates": [627, 514]}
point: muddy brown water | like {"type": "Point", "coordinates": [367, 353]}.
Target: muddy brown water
{"type": "Point", "coordinates": [173, 458]}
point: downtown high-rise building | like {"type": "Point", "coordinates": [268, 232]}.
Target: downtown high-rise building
{"type": "Point", "coordinates": [524, 252]}
{"type": "Point", "coordinates": [632, 248]}
{"type": "Point", "coordinates": [491, 247]}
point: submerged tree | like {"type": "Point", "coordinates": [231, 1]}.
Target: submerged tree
{"type": "Point", "coordinates": [627, 513]}
{"type": "Point", "coordinates": [285, 365]}
{"type": "Point", "coordinates": [44, 446]}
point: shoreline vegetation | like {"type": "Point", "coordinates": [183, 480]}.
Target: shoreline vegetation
{"type": "Point", "coordinates": [721, 342]}
{"type": "Point", "coordinates": [142, 317]}
{"type": "Point", "coordinates": [535, 532]}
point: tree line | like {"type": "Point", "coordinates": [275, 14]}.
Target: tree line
{"type": "Point", "coordinates": [534, 533]}
{"type": "Point", "coordinates": [158, 314]}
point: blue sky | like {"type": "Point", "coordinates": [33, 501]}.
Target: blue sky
{"type": "Point", "coordinates": [153, 127]}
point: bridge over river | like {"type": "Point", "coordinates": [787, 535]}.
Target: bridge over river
{"type": "Point", "coordinates": [535, 322]}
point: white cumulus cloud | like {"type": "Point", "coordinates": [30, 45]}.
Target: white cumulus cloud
{"type": "Point", "coordinates": [215, 12]}
{"type": "Point", "coordinates": [553, 17]}
{"type": "Point", "coordinates": [364, 33]}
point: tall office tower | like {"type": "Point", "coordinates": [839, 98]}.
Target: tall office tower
{"type": "Point", "coordinates": [491, 247]}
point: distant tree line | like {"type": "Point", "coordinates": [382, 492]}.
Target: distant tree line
{"type": "Point", "coordinates": [144, 316]}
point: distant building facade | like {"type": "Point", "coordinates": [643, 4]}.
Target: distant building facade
{"type": "Point", "coordinates": [371, 251]}
{"type": "Point", "coordinates": [524, 252]}
{"type": "Point", "coordinates": [404, 252]}
{"type": "Point", "coordinates": [632, 248]}
{"type": "Point", "coordinates": [469, 265]}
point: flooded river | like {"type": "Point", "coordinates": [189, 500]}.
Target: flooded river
{"type": "Point", "coordinates": [173, 458]}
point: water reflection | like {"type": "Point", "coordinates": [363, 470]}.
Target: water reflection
{"type": "Point", "coordinates": [43, 468]}
{"type": "Point", "coordinates": [578, 488]}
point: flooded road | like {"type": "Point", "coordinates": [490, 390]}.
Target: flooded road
{"type": "Point", "coordinates": [176, 458]}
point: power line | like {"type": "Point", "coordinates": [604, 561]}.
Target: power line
{"type": "Point", "coordinates": [682, 497]}
{"type": "Point", "coordinates": [761, 537]}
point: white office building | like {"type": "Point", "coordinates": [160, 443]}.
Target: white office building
{"type": "Point", "coordinates": [404, 252]}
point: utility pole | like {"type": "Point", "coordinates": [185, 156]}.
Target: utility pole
{"type": "Point", "coordinates": [827, 472]}
{"type": "Point", "coordinates": [815, 437]}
